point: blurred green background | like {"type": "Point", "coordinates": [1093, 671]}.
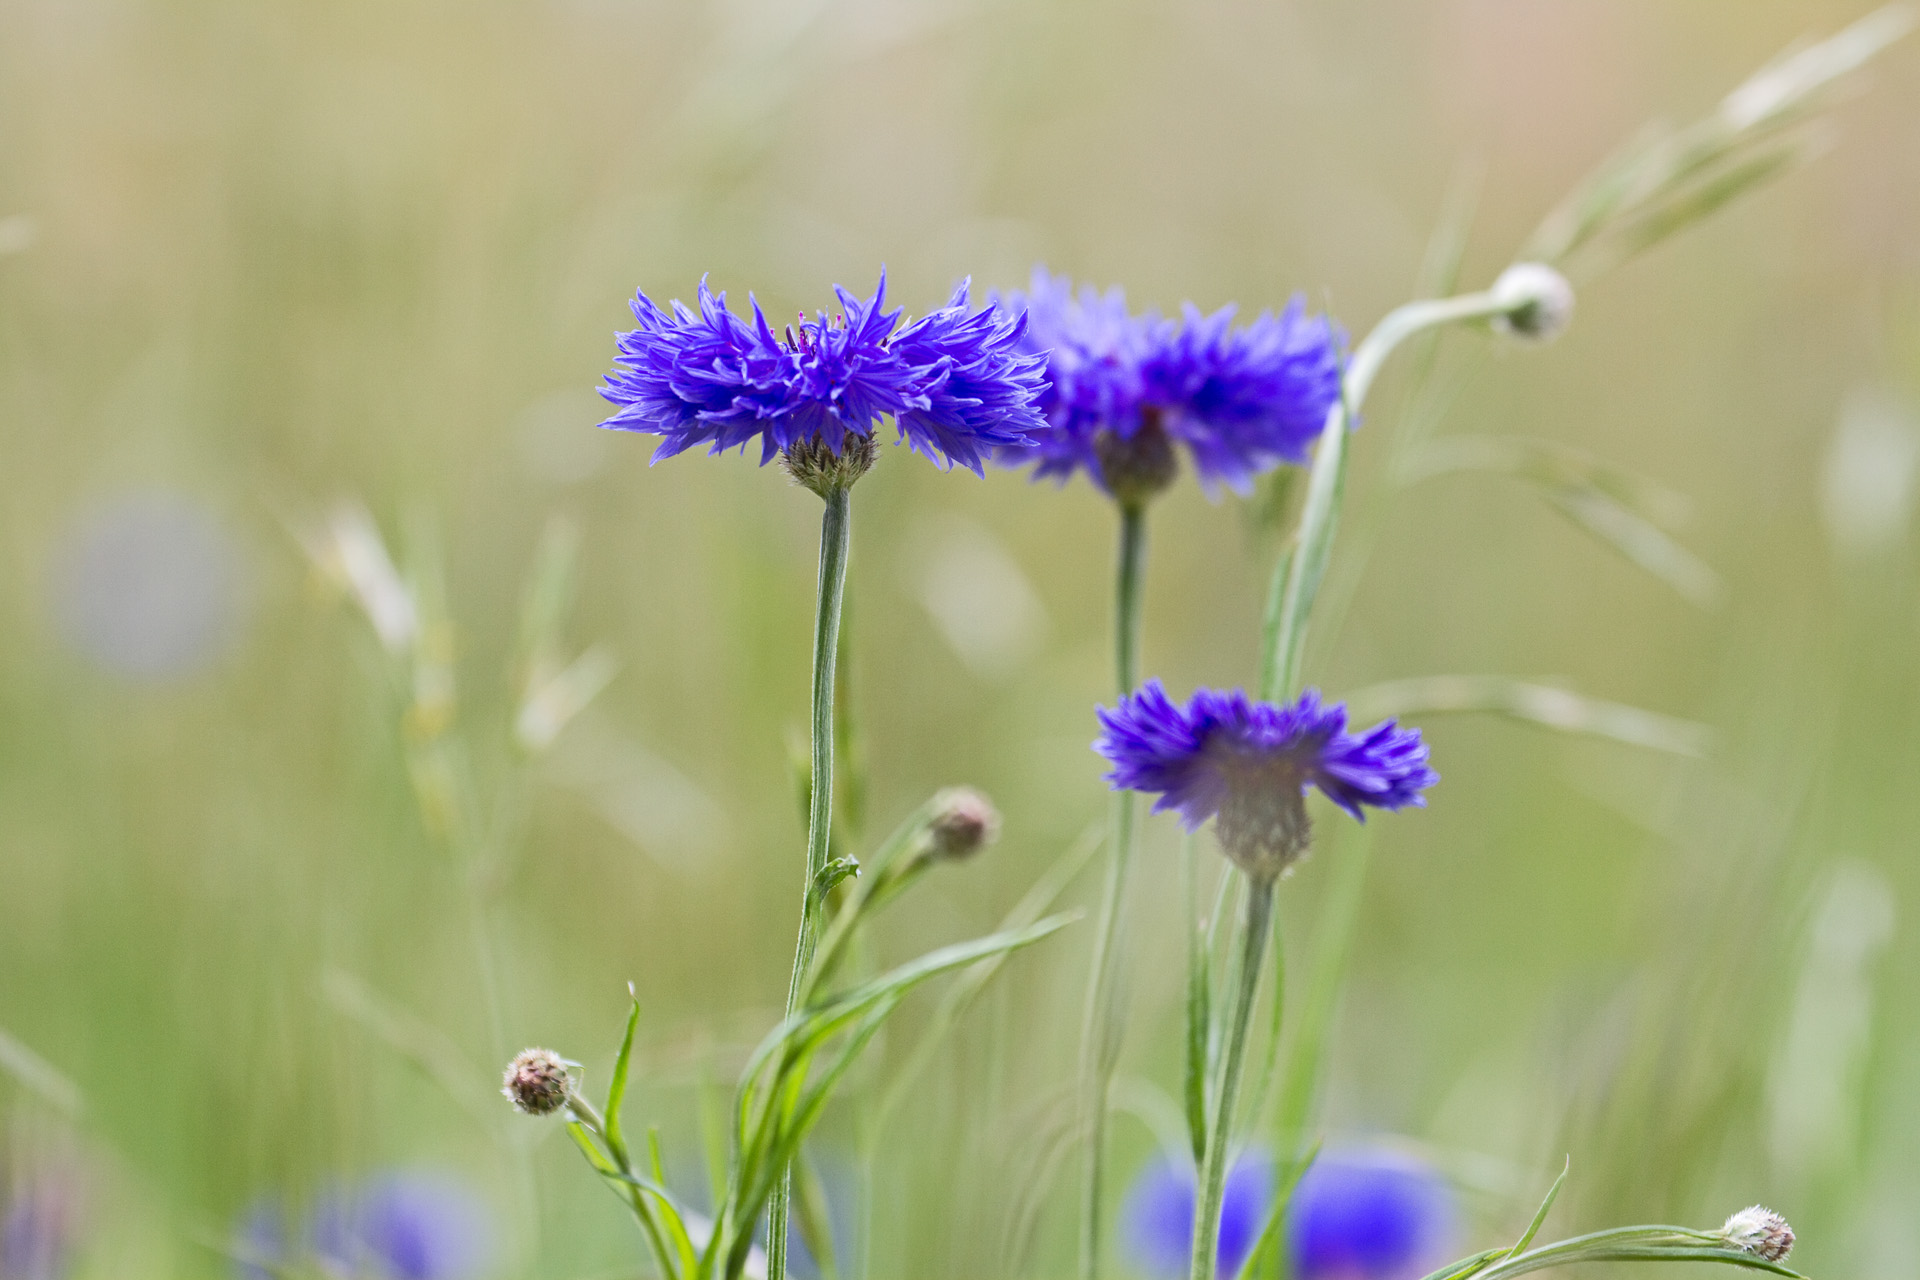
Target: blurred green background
{"type": "Point", "coordinates": [260, 258]}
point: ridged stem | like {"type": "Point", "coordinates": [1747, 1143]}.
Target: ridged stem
{"type": "Point", "coordinates": [835, 529]}
{"type": "Point", "coordinates": [1105, 1017]}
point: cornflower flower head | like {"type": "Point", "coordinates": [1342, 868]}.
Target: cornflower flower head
{"type": "Point", "coordinates": [1368, 1214]}
{"type": "Point", "coordinates": [957, 383]}
{"type": "Point", "coordinates": [404, 1226]}
{"type": "Point", "coordinates": [1248, 765]}
{"type": "Point", "coordinates": [1126, 389]}
{"type": "Point", "coordinates": [1158, 1215]}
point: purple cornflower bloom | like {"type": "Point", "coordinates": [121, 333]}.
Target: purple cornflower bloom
{"type": "Point", "coordinates": [1159, 1215]}
{"type": "Point", "coordinates": [1368, 1214]}
{"type": "Point", "coordinates": [957, 384]}
{"type": "Point", "coordinates": [1249, 763]}
{"type": "Point", "coordinates": [1126, 388]}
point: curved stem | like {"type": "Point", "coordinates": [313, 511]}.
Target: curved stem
{"type": "Point", "coordinates": [1255, 925]}
{"type": "Point", "coordinates": [835, 528]}
{"type": "Point", "coordinates": [1105, 1017]}
{"type": "Point", "coordinates": [1297, 578]}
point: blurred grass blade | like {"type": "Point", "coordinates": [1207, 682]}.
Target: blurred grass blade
{"type": "Point", "coordinates": [1264, 1258]}
{"type": "Point", "coordinates": [966, 987]}
{"type": "Point", "coordinates": [1621, 509]}
{"type": "Point", "coordinates": [1535, 703]}
{"type": "Point", "coordinates": [428, 1048]}
{"type": "Point", "coordinates": [1540, 1217]}
{"type": "Point", "coordinates": [1199, 1015]}
{"type": "Point", "coordinates": [814, 1219]}
{"type": "Point", "coordinates": [1326, 975]}
{"type": "Point", "coordinates": [1668, 180]}
{"type": "Point", "coordinates": [38, 1075]}
{"type": "Point", "coordinates": [549, 594]}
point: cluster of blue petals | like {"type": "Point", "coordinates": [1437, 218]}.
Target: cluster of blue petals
{"type": "Point", "coordinates": [1195, 756]}
{"type": "Point", "coordinates": [399, 1226]}
{"type": "Point", "coordinates": [958, 384]}
{"type": "Point", "coordinates": [1241, 399]}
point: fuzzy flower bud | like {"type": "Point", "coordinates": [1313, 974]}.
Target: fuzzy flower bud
{"type": "Point", "coordinates": [1761, 1232]}
{"type": "Point", "coordinates": [1538, 301]}
{"type": "Point", "coordinates": [538, 1082]}
{"type": "Point", "coordinates": [1138, 467]}
{"type": "Point", "coordinates": [964, 822]}
{"type": "Point", "coordinates": [815, 465]}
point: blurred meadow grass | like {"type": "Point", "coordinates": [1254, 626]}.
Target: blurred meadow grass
{"type": "Point", "coordinates": [263, 257]}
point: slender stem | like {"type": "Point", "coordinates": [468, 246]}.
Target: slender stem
{"type": "Point", "coordinates": [835, 527]}
{"type": "Point", "coordinates": [1105, 1021]}
{"type": "Point", "coordinates": [1255, 925]}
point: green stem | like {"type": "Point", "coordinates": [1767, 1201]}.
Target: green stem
{"type": "Point", "coordinates": [1296, 579]}
{"type": "Point", "coordinates": [1105, 1021]}
{"type": "Point", "coordinates": [835, 528]}
{"type": "Point", "coordinates": [1255, 925]}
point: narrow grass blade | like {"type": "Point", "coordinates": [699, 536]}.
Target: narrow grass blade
{"type": "Point", "coordinates": [36, 1073]}
{"type": "Point", "coordinates": [617, 1086]}
{"type": "Point", "coordinates": [1540, 1218]}
{"type": "Point", "coordinates": [1264, 1259]}
{"type": "Point", "coordinates": [1540, 704]}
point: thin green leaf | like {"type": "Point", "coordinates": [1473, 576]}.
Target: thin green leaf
{"type": "Point", "coordinates": [617, 1087]}
{"type": "Point", "coordinates": [36, 1073]}
{"type": "Point", "coordinates": [831, 875]}
{"type": "Point", "coordinates": [1539, 1219]}
{"type": "Point", "coordinates": [1540, 704]}
{"type": "Point", "coordinates": [966, 987]}
{"type": "Point", "coordinates": [1467, 1266]}
{"type": "Point", "coordinates": [1266, 1245]}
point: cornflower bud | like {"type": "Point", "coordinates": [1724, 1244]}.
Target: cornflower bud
{"type": "Point", "coordinates": [1138, 467]}
{"type": "Point", "coordinates": [1761, 1232]}
{"type": "Point", "coordinates": [1538, 299]}
{"type": "Point", "coordinates": [964, 822]}
{"type": "Point", "coordinates": [538, 1082]}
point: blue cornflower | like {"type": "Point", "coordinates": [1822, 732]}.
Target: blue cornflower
{"type": "Point", "coordinates": [1126, 388]}
{"type": "Point", "coordinates": [1249, 764]}
{"type": "Point", "coordinates": [399, 1226]}
{"type": "Point", "coordinates": [1368, 1214]}
{"type": "Point", "coordinates": [957, 383]}
{"type": "Point", "coordinates": [1159, 1215]}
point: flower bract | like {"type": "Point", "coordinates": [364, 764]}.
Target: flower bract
{"type": "Point", "coordinates": [957, 383]}
{"type": "Point", "coordinates": [1248, 764]}
{"type": "Point", "coordinates": [1239, 400]}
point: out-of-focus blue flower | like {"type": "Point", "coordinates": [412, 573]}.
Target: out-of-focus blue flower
{"type": "Point", "coordinates": [37, 1229]}
{"type": "Point", "coordinates": [957, 383]}
{"type": "Point", "coordinates": [1158, 1215]}
{"type": "Point", "coordinates": [400, 1226]}
{"type": "Point", "coordinates": [1248, 764]}
{"type": "Point", "coordinates": [1368, 1214]}
{"type": "Point", "coordinates": [1241, 400]}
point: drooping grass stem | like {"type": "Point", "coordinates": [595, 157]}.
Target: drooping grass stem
{"type": "Point", "coordinates": [1104, 1023]}
{"type": "Point", "coordinates": [835, 531]}
{"type": "Point", "coordinates": [1255, 923]}
{"type": "Point", "coordinates": [1296, 579]}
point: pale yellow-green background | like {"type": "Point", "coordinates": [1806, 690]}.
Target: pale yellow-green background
{"type": "Point", "coordinates": [287, 253]}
